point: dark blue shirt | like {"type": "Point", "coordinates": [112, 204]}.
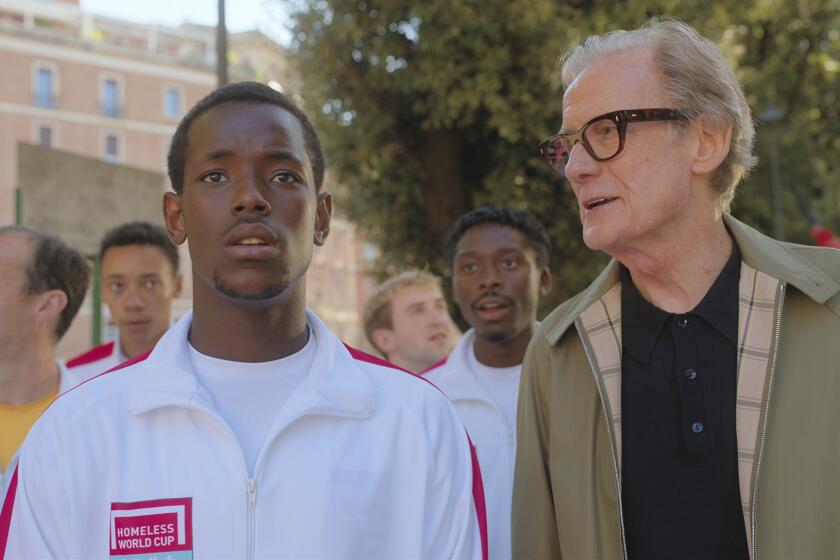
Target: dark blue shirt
{"type": "Point", "coordinates": [679, 450]}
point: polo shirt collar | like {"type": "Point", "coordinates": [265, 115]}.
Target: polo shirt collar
{"type": "Point", "coordinates": [719, 307]}
{"type": "Point", "coordinates": [642, 322]}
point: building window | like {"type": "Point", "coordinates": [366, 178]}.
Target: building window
{"type": "Point", "coordinates": [172, 102]}
{"type": "Point", "coordinates": [110, 97]}
{"type": "Point", "coordinates": [45, 136]}
{"type": "Point", "coordinates": [111, 148]}
{"type": "Point", "coordinates": [45, 87]}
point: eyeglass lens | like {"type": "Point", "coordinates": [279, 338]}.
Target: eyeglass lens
{"type": "Point", "coordinates": [601, 139]}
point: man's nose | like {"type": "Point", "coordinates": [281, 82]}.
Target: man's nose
{"type": "Point", "coordinates": [133, 298]}
{"type": "Point", "coordinates": [439, 316]}
{"type": "Point", "coordinates": [581, 165]}
{"type": "Point", "coordinates": [250, 197]}
{"type": "Point", "coordinates": [490, 278]}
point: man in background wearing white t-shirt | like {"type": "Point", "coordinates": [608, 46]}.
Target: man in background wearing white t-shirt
{"type": "Point", "coordinates": [499, 263]}
{"type": "Point", "coordinates": [250, 431]}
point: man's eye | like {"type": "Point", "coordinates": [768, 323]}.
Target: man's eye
{"type": "Point", "coordinates": [150, 284]}
{"type": "Point", "coordinates": [214, 177]}
{"type": "Point", "coordinates": [469, 267]}
{"type": "Point", "coordinates": [285, 177]}
{"type": "Point", "coordinates": [509, 263]}
{"type": "Point", "coordinates": [115, 287]}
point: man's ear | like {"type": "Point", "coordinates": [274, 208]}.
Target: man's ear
{"type": "Point", "coordinates": [714, 139]}
{"type": "Point", "coordinates": [174, 218]}
{"type": "Point", "coordinates": [323, 214]}
{"type": "Point", "coordinates": [49, 306]}
{"type": "Point", "coordinates": [545, 281]}
{"type": "Point", "coordinates": [383, 340]}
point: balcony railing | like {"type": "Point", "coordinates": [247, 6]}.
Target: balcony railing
{"type": "Point", "coordinates": [45, 100]}
{"type": "Point", "coordinates": [111, 110]}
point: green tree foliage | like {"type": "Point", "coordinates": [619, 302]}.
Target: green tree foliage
{"type": "Point", "coordinates": [788, 56]}
{"type": "Point", "coordinates": [428, 109]}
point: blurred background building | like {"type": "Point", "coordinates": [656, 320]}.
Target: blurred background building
{"type": "Point", "coordinates": [115, 90]}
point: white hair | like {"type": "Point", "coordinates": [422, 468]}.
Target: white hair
{"type": "Point", "coordinates": [697, 79]}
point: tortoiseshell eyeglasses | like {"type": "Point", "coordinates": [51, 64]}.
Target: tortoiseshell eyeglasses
{"type": "Point", "coordinates": [603, 136]}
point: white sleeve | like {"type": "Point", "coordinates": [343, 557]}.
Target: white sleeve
{"type": "Point", "coordinates": [35, 516]}
{"type": "Point", "coordinates": [455, 521]}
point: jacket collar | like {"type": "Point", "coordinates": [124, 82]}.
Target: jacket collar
{"type": "Point", "coordinates": [335, 386]}
{"type": "Point", "coordinates": [67, 379]}
{"type": "Point", "coordinates": [779, 261]}
{"type": "Point", "coordinates": [458, 380]}
{"type": "Point", "coordinates": [600, 286]}
{"type": "Point", "coordinates": [759, 251]}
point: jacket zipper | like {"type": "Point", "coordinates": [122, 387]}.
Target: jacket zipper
{"type": "Point", "coordinates": [251, 483]}
{"type": "Point", "coordinates": [777, 327]}
{"type": "Point", "coordinates": [611, 434]}
{"type": "Point", "coordinates": [252, 505]}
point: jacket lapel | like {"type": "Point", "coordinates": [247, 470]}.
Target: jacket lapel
{"type": "Point", "coordinates": [760, 307]}
{"type": "Point", "coordinates": [599, 327]}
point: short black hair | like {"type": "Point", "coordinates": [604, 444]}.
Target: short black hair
{"type": "Point", "coordinates": [241, 92]}
{"type": "Point", "coordinates": [54, 265]}
{"type": "Point", "coordinates": [521, 220]}
{"type": "Point", "coordinates": [141, 233]}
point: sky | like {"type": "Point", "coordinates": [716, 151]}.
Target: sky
{"type": "Point", "coordinates": [240, 15]}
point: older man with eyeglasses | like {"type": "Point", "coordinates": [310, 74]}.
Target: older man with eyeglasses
{"type": "Point", "coordinates": [685, 404]}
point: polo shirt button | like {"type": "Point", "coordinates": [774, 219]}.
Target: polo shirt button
{"type": "Point", "coordinates": [691, 374]}
{"type": "Point", "coordinates": [682, 322]}
{"type": "Point", "coordinates": [697, 427]}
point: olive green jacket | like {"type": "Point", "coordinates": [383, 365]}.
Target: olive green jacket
{"type": "Point", "coordinates": [567, 497]}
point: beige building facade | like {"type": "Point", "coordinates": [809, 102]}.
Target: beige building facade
{"type": "Point", "coordinates": [115, 90]}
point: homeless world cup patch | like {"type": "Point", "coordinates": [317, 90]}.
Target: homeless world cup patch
{"type": "Point", "coordinates": [152, 530]}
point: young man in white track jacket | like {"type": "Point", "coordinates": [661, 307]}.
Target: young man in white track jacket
{"type": "Point", "coordinates": [140, 279]}
{"type": "Point", "coordinates": [250, 431]}
{"type": "Point", "coordinates": [499, 263]}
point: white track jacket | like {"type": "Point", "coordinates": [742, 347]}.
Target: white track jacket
{"type": "Point", "coordinates": [363, 461]}
{"type": "Point", "coordinates": [495, 440]}
{"type": "Point", "coordinates": [98, 359]}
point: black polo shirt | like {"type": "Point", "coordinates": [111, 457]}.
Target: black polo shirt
{"type": "Point", "coordinates": [679, 450]}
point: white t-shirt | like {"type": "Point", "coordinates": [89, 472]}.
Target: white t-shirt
{"type": "Point", "coordinates": [249, 395]}
{"type": "Point", "coordinates": [501, 383]}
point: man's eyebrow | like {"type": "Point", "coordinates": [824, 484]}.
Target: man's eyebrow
{"type": "Point", "coordinates": [218, 154]}
{"type": "Point", "coordinates": [496, 251]}
{"type": "Point", "coordinates": [283, 155]}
